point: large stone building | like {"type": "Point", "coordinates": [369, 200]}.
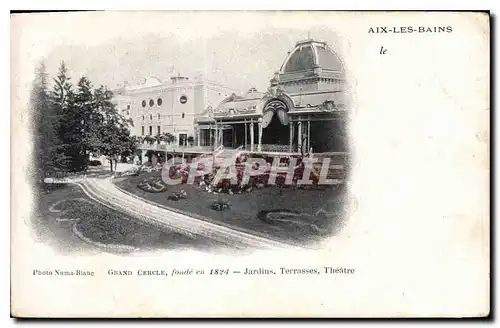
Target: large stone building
{"type": "Point", "coordinates": [169, 106]}
{"type": "Point", "coordinates": [303, 110]}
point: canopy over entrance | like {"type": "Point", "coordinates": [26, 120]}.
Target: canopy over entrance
{"type": "Point", "coordinates": [275, 108]}
{"type": "Point", "coordinates": [275, 121]}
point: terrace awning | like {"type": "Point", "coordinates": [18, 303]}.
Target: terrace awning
{"type": "Point", "coordinates": [238, 107]}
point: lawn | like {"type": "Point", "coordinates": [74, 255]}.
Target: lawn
{"type": "Point", "coordinates": [47, 230]}
{"type": "Point", "coordinates": [98, 223]}
{"type": "Point", "coordinates": [300, 216]}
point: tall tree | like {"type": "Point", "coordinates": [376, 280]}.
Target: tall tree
{"type": "Point", "coordinates": [62, 86]}
{"type": "Point", "coordinates": [78, 122]}
{"type": "Point", "coordinates": [68, 127]}
{"type": "Point", "coordinates": [87, 118]}
{"type": "Point", "coordinates": [111, 136]}
{"type": "Point", "coordinates": [43, 125]}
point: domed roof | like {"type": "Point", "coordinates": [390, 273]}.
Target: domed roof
{"type": "Point", "coordinates": [309, 54]}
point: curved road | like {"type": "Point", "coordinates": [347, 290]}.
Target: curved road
{"type": "Point", "coordinates": [106, 193]}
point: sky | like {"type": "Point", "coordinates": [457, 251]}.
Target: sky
{"type": "Point", "coordinates": [238, 49]}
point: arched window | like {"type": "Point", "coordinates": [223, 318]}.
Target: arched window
{"type": "Point", "coordinates": [150, 117]}
{"type": "Point", "coordinates": [151, 102]}
{"type": "Point", "coordinates": [182, 115]}
{"type": "Point", "coordinates": [159, 101]}
{"type": "Point", "coordinates": [143, 103]}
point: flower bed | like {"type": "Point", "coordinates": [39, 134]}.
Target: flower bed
{"type": "Point", "coordinates": [220, 205]}
{"type": "Point", "coordinates": [310, 223]}
{"type": "Point", "coordinates": [230, 186]}
{"type": "Point", "coordinates": [152, 184]}
{"type": "Point", "coordinates": [178, 195]}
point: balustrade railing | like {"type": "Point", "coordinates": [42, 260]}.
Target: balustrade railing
{"type": "Point", "coordinates": [167, 147]}
{"type": "Point", "coordinates": [275, 148]}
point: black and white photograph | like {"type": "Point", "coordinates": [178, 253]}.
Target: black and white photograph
{"type": "Point", "coordinates": [162, 142]}
{"type": "Point", "coordinates": [250, 164]}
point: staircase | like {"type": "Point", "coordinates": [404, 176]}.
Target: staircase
{"type": "Point", "coordinates": [224, 157]}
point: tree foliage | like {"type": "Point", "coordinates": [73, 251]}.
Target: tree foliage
{"type": "Point", "coordinates": [168, 137]}
{"type": "Point", "coordinates": [73, 123]}
{"type": "Point", "coordinates": [47, 153]}
{"type": "Point", "coordinates": [149, 139]}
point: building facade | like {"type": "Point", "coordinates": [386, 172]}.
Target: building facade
{"type": "Point", "coordinates": [304, 109]}
{"type": "Point", "coordinates": [168, 106]}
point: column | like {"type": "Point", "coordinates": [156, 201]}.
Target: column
{"type": "Point", "coordinates": [260, 135]}
{"type": "Point", "coordinates": [198, 133]}
{"type": "Point", "coordinates": [308, 133]}
{"type": "Point", "coordinates": [216, 141]}
{"type": "Point", "coordinates": [299, 136]}
{"type": "Point", "coordinates": [221, 131]}
{"type": "Point", "coordinates": [210, 135]}
{"type": "Point", "coordinates": [246, 134]}
{"type": "Point", "coordinates": [251, 136]}
{"type": "Point", "coordinates": [144, 159]}
{"type": "Point", "coordinates": [291, 135]}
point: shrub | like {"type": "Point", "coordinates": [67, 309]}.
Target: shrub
{"type": "Point", "coordinates": [220, 205]}
{"type": "Point", "coordinates": [178, 195]}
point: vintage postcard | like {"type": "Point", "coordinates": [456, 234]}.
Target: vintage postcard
{"type": "Point", "coordinates": [190, 164]}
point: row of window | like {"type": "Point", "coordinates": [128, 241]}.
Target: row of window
{"type": "Point", "coordinates": [151, 116]}
{"type": "Point", "coordinates": [183, 99]}
{"type": "Point", "coordinates": [159, 101]}
{"type": "Point", "coordinates": [158, 130]}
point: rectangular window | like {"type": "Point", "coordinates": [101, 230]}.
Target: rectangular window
{"type": "Point", "coordinates": [182, 139]}
{"type": "Point", "coordinates": [142, 130]}
{"type": "Point", "coordinates": [150, 130]}
{"type": "Point", "coordinates": [159, 130]}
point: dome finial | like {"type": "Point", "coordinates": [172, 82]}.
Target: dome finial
{"type": "Point", "coordinates": [275, 80]}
